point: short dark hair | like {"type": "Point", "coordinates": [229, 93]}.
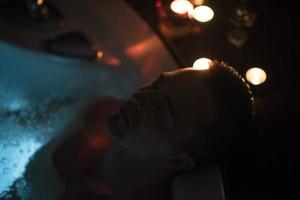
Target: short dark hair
{"type": "Point", "coordinates": [233, 101]}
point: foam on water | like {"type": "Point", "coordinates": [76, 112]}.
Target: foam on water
{"type": "Point", "coordinates": [24, 129]}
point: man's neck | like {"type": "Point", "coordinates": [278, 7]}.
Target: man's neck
{"type": "Point", "coordinates": [136, 176]}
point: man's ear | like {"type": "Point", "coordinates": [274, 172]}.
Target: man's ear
{"type": "Point", "coordinates": [181, 161]}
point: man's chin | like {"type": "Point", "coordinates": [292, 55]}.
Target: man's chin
{"type": "Point", "coordinates": [115, 127]}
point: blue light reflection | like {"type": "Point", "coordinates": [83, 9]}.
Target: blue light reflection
{"type": "Point", "coordinates": [15, 155]}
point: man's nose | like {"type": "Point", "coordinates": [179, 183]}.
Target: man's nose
{"type": "Point", "coordinates": [135, 102]}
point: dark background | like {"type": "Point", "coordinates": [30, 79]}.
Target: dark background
{"type": "Point", "coordinates": [266, 163]}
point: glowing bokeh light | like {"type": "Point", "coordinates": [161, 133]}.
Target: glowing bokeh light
{"type": "Point", "coordinates": [181, 6]}
{"type": "Point", "coordinates": [39, 2]}
{"type": "Point", "coordinates": [100, 54]}
{"type": "Point", "coordinates": [256, 76]}
{"type": "Point", "coordinates": [203, 13]}
{"type": "Point", "coordinates": [202, 64]}
{"type": "Point", "coordinates": [198, 2]}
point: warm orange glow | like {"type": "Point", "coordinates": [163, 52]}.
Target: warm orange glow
{"type": "Point", "coordinates": [39, 2]}
{"type": "Point", "coordinates": [100, 54]}
{"type": "Point", "coordinates": [114, 61]}
{"type": "Point", "coordinates": [202, 64]}
{"type": "Point", "coordinates": [198, 2]}
{"type": "Point", "coordinates": [181, 6]}
{"type": "Point", "coordinates": [143, 53]}
{"type": "Point", "coordinates": [256, 76]}
{"type": "Point", "coordinates": [203, 13]}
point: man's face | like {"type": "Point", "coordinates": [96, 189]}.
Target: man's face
{"type": "Point", "coordinates": [160, 116]}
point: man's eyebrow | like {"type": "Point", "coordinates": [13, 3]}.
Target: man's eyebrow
{"type": "Point", "coordinates": [161, 77]}
{"type": "Point", "coordinates": [158, 81]}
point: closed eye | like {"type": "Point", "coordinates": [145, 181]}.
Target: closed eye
{"type": "Point", "coordinates": [146, 88]}
{"type": "Point", "coordinates": [156, 84]}
{"type": "Point", "coordinates": [170, 112]}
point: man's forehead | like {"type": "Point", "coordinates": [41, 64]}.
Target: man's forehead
{"type": "Point", "coordinates": [191, 97]}
{"type": "Point", "coordinates": [185, 72]}
{"type": "Point", "coordinates": [183, 77]}
{"type": "Point", "coordinates": [185, 88]}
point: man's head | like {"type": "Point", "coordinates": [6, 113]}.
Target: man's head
{"type": "Point", "coordinates": [185, 115]}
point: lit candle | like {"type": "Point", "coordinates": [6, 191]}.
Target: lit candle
{"type": "Point", "coordinates": [181, 6]}
{"type": "Point", "coordinates": [202, 64]}
{"type": "Point", "coordinates": [203, 13]}
{"type": "Point", "coordinates": [256, 76]}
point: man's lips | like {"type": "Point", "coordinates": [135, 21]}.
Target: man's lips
{"type": "Point", "coordinates": [125, 117]}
